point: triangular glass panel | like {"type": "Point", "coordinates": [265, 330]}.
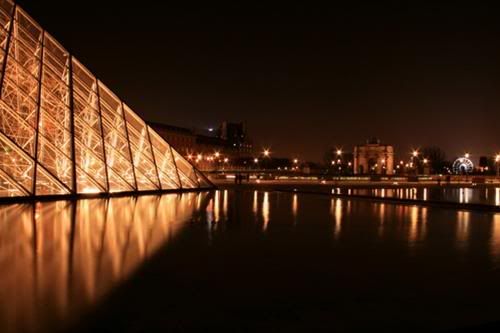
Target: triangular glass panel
{"type": "Point", "coordinates": [55, 161]}
{"type": "Point", "coordinates": [117, 183]}
{"type": "Point", "coordinates": [46, 184]}
{"type": "Point", "coordinates": [8, 187]}
{"type": "Point", "coordinates": [16, 163]}
{"type": "Point", "coordinates": [86, 184]}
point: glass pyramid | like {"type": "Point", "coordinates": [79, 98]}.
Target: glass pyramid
{"type": "Point", "coordinates": [63, 132]}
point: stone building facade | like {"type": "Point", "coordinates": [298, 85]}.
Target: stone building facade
{"type": "Point", "coordinates": [374, 158]}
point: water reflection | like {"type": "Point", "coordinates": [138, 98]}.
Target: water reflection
{"type": "Point", "coordinates": [463, 218]}
{"type": "Point", "coordinates": [295, 205]}
{"type": "Point", "coordinates": [255, 203]}
{"type": "Point", "coordinates": [466, 195]}
{"type": "Point", "coordinates": [58, 258]}
{"type": "Point", "coordinates": [336, 212]}
{"type": "Point", "coordinates": [495, 238]}
{"type": "Point", "coordinates": [265, 210]}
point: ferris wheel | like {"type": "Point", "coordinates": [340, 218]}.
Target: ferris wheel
{"type": "Point", "coordinates": [462, 165]}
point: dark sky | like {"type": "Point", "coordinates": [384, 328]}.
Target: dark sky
{"type": "Point", "coordinates": [303, 77]}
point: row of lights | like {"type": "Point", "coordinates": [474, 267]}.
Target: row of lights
{"type": "Point", "coordinates": [217, 155]}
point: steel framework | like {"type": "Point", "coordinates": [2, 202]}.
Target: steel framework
{"type": "Point", "coordinates": [63, 132]}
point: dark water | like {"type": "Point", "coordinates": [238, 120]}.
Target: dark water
{"type": "Point", "coordinates": [246, 261]}
{"type": "Point", "coordinates": [488, 196]}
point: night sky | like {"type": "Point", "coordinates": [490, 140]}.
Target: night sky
{"type": "Point", "coordinates": [303, 77]}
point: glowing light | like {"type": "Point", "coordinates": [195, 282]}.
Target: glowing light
{"type": "Point", "coordinates": [256, 160]}
{"type": "Point", "coordinates": [217, 154]}
{"type": "Point", "coordinates": [295, 160]}
{"type": "Point", "coordinates": [226, 160]}
{"type": "Point", "coordinates": [339, 152]}
{"type": "Point", "coordinates": [266, 152]}
{"type": "Point", "coordinates": [467, 155]}
{"type": "Point", "coordinates": [425, 161]}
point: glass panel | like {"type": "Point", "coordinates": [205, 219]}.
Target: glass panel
{"type": "Point", "coordinates": [141, 152]}
{"type": "Point", "coordinates": [16, 164]}
{"type": "Point", "coordinates": [186, 171]}
{"type": "Point", "coordinates": [109, 98]}
{"type": "Point", "coordinates": [84, 82]}
{"type": "Point", "coordinates": [55, 85]}
{"type": "Point", "coordinates": [115, 140]}
{"type": "Point", "coordinates": [115, 136]}
{"type": "Point", "coordinates": [6, 6]}
{"type": "Point", "coordinates": [120, 165]}
{"type": "Point", "coordinates": [27, 58]}
{"type": "Point", "coordinates": [57, 55]}
{"type": "Point", "coordinates": [48, 185]}
{"type": "Point", "coordinates": [18, 126]}
{"type": "Point", "coordinates": [86, 112]}
{"type": "Point", "coordinates": [85, 184]}
{"type": "Point", "coordinates": [28, 24]}
{"type": "Point", "coordinates": [89, 153]}
{"type": "Point", "coordinates": [8, 188]}
{"type": "Point", "coordinates": [5, 19]}
{"type": "Point", "coordinates": [163, 157]}
{"type": "Point", "coordinates": [57, 108]}
{"type": "Point", "coordinates": [118, 184]}
{"type": "Point", "coordinates": [21, 78]}
{"type": "Point", "coordinates": [53, 160]}
{"type": "Point", "coordinates": [19, 36]}
{"type": "Point", "coordinates": [54, 132]}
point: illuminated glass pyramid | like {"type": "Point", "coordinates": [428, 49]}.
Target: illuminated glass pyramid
{"type": "Point", "coordinates": [63, 132]}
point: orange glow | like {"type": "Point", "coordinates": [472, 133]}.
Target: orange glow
{"type": "Point", "coordinates": [111, 238]}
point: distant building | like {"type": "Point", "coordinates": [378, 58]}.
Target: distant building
{"type": "Point", "coordinates": [182, 139]}
{"type": "Point", "coordinates": [235, 134]}
{"type": "Point", "coordinates": [374, 158]}
{"type": "Point", "coordinates": [226, 145]}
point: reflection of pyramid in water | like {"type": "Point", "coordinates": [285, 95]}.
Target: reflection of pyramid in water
{"type": "Point", "coordinates": [63, 132]}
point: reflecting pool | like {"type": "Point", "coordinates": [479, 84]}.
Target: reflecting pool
{"type": "Point", "coordinates": [245, 260]}
{"type": "Point", "coordinates": [57, 259]}
{"type": "Point", "coordinates": [487, 196]}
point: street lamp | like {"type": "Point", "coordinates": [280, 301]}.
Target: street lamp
{"type": "Point", "coordinates": [339, 152]}
{"type": "Point", "coordinates": [414, 160]}
{"type": "Point", "coordinates": [266, 152]}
